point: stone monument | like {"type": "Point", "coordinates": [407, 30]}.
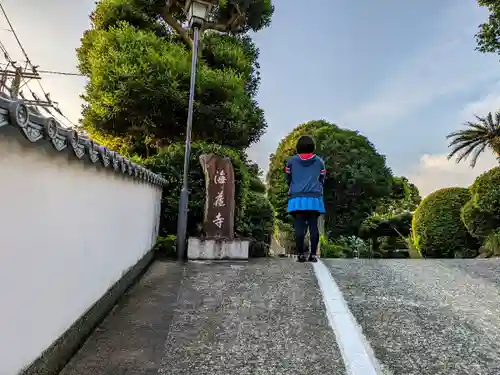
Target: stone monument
{"type": "Point", "coordinates": [219, 205]}
{"type": "Point", "coordinates": [218, 241]}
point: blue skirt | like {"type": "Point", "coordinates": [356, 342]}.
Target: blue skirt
{"type": "Point", "coordinates": [306, 204]}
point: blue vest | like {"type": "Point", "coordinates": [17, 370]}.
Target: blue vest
{"type": "Point", "coordinates": [306, 176]}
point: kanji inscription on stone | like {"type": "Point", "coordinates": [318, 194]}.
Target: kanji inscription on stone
{"type": "Point", "coordinates": [220, 189]}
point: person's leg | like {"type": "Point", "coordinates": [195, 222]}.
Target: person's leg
{"type": "Point", "coordinates": [300, 226]}
{"type": "Point", "coordinates": [312, 223]}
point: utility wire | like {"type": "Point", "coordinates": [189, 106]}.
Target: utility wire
{"type": "Point", "coordinates": [30, 64]}
{"type": "Point", "coordinates": [15, 34]}
{"type": "Point", "coordinates": [61, 73]}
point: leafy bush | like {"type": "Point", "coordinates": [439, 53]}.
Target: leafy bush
{"type": "Point", "coordinates": [257, 185]}
{"type": "Point", "coordinates": [387, 234]}
{"type": "Point", "coordinates": [437, 228]}
{"type": "Point", "coordinates": [258, 224]}
{"type": "Point", "coordinates": [478, 223]}
{"type": "Point", "coordinates": [485, 192]}
{"type": "Point", "coordinates": [330, 249]}
{"type": "Point", "coordinates": [492, 243]}
{"type": "Point", "coordinates": [169, 164]}
{"type": "Point", "coordinates": [386, 226]}
{"type": "Point", "coordinates": [389, 245]}
{"type": "Point", "coordinates": [481, 214]}
{"type": "Point", "coordinates": [166, 247]}
{"type": "Point", "coordinates": [353, 246]}
{"type": "Point", "coordinates": [404, 197]}
{"type": "Point", "coordinates": [413, 252]}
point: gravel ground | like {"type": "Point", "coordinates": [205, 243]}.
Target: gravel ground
{"type": "Point", "coordinates": [426, 317]}
{"type": "Point", "coordinates": [261, 317]}
{"type": "Point", "coordinates": [265, 317]}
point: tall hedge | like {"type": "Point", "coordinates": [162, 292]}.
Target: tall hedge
{"type": "Point", "coordinates": [169, 164]}
{"type": "Point", "coordinates": [438, 231]}
{"type": "Point", "coordinates": [481, 214]}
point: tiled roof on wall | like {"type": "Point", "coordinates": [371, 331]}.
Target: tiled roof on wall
{"type": "Point", "coordinates": [41, 129]}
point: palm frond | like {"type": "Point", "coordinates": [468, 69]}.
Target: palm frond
{"type": "Point", "coordinates": [466, 152]}
{"type": "Point", "coordinates": [477, 152]}
{"type": "Point", "coordinates": [470, 143]}
{"type": "Point", "coordinates": [475, 138]}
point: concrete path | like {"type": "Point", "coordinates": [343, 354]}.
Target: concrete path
{"type": "Point", "coordinates": [262, 317]}
{"type": "Point", "coordinates": [269, 317]}
{"type": "Point", "coordinates": [426, 317]}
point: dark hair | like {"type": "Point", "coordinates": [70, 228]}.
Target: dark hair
{"type": "Point", "coordinates": [305, 145]}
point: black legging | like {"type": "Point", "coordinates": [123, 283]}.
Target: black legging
{"type": "Point", "coordinates": [304, 220]}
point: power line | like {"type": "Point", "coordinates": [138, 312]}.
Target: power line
{"type": "Point", "coordinates": [33, 68]}
{"type": "Point", "coordinates": [15, 35]}
{"type": "Point", "coordinates": [61, 73]}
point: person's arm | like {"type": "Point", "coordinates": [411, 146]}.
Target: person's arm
{"type": "Point", "coordinates": [288, 172]}
{"type": "Point", "coordinates": [322, 175]}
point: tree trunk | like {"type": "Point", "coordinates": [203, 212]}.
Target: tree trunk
{"type": "Point", "coordinates": [495, 145]}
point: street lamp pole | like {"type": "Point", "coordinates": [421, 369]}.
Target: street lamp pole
{"type": "Point", "coordinates": [197, 11]}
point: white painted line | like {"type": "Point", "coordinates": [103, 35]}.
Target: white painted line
{"type": "Point", "coordinates": [357, 353]}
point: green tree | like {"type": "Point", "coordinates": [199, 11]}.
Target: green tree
{"type": "Point", "coordinates": [477, 137]}
{"type": "Point", "coordinates": [138, 66]}
{"type": "Point", "coordinates": [166, 17]}
{"type": "Point", "coordinates": [258, 223]}
{"type": "Point", "coordinates": [357, 176]}
{"type": "Point", "coordinates": [404, 197]}
{"type": "Point", "coordinates": [255, 177]}
{"type": "Point", "coordinates": [488, 37]}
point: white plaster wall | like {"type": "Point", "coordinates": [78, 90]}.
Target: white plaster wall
{"type": "Point", "coordinates": [68, 232]}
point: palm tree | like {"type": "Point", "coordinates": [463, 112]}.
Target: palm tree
{"type": "Point", "coordinates": [476, 138]}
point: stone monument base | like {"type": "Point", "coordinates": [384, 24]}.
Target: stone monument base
{"type": "Point", "coordinates": [217, 249]}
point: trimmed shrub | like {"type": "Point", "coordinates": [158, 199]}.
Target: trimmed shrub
{"type": "Point", "coordinates": [478, 223]}
{"type": "Point", "coordinates": [169, 164]}
{"type": "Point", "coordinates": [491, 245]}
{"type": "Point", "coordinates": [485, 192]}
{"type": "Point", "coordinates": [437, 228]}
{"type": "Point", "coordinates": [481, 214]}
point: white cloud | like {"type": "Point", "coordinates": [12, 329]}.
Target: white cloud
{"type": "Point", "coordinates": [436, 172]}
{"type": "Point", "coordinates": [488, 103]}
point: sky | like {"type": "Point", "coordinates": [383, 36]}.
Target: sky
{"type": "Point", "coordinates": [402, 73]}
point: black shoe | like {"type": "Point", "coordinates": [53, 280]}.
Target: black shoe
{"type": "Point", "coordinates": [312, 258]}
{"type": "Point", "coordinates": [301, 258]}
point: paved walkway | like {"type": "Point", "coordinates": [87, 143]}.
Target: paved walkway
{"type": "Point", "coordinates": [433, 317]}
{"type": "Point", "coordinates": [268, 317]}
{"type": "Point", "coordinates": [262, 317]}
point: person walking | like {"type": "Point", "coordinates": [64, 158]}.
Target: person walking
{"type": "Point", "coordinates": [305, 175]}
